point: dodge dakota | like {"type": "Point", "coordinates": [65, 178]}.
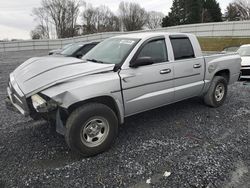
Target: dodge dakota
{"type": "Point", "coordinates": [89, 98]}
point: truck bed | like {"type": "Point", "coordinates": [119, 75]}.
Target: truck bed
{"type": "Point", "coordinates": [219, 60]}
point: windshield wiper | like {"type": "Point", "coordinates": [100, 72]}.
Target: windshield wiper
{"type": "Point", "coordinates": [95, 60]}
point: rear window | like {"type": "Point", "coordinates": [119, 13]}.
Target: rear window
{"type": "Point", "coordinates": [182, 48]}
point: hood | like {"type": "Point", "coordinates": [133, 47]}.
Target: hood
{"type": "Point", "coordinates": [245, 61]}
{"type": "Point", "coordinates": [37, 74]}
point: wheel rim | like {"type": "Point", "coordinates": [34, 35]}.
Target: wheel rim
{"type": "Point", "coordinates": [219, 92]}
{"type": "Point", "coordinates": [95, 131]}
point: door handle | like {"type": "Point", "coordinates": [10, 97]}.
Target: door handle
{"type": "Point", "coordinates": [196, 66]}
{"type": "Point", "coordinates": [165, 71]}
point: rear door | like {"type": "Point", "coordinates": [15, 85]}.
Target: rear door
{"type": "Point", "coordinates": [188, 69]}
{"type": "Point", "coordinates": [148, 86]}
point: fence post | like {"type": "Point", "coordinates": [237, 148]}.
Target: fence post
{"type": "Point", "coordinates": [212, 29]}
{"type": "Point", "coordinates": [233, 28]}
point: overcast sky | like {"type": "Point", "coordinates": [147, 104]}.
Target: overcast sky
{"type": "Point", "coordinates": [16, 20]}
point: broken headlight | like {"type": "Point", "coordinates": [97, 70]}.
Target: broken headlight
{"type": "Point", "coordinates": [43, 105]}
{"type": "Point", "coordinates": [39, 103]}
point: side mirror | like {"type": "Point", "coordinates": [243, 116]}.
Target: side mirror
{"type": "Point", "coordinates": [141, 61]}
{"type": "Point", "coordinates": [79, 55]}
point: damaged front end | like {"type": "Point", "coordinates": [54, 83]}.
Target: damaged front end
{"type": "Point", "coordinates": [43, 104]}
{"type": "Point", "coordinates": [43, 107]}
{"type": "Point", "coordinates": [38, 106]}
{"type": "Point", "coordinates": [36, 87]}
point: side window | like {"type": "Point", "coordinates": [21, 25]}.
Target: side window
{"type": "Point", "coordinates": [155, 49]}
{"type": "Point", "coordinates": [182, 48]}
{"type": "Point", "coordinates": [87, 48]}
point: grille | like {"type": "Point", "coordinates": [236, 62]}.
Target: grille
{"type": "Point", "coordinates": [18, 101]}
{"type": "Point", "coordinates": [245, 72]}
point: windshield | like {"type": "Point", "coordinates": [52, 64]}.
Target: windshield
{"type": "Point", "coordinates": [72, 49]}
{"type": "Point", "coordinates": [66, 46]}
{"type": "Point", "coordinates": [111, 51]}
{"type": "Point", "coordinates": [244, 51]}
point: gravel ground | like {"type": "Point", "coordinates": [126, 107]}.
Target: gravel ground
{"type": "Point", "coordinates": [191, 144]}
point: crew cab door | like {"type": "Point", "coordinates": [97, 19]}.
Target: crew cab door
{"type": "Point", "coordinates": [148, 86]}
{"type": "Point", "coordinates": [188, 69]}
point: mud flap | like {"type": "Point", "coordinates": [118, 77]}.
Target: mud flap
{"type": "Point", "coordinates": [60, 127]}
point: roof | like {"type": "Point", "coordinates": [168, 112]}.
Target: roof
{"type": "Point", "coordinates": [146, 35]}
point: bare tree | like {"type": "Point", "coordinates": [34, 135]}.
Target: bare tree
{"type": "Point", "coordinates": [42, 18]}
{"type": "Point", "coordinates": [133, 17]}
{"type": "Point", "coordinates": [35, 34]}
{"type": "Point", "coordinates": [154, 19]}
{"type": "Point", "coordinates": [232, 12]}
{"type": "Point", "coordinates": [62, 14]}
{"type": "Point", "coordinates": [100, 19]}
{"type": "Point", "coordinates": [238, 10]}
{"type": "Point", "coordinates": [73, 12]}
{"type": "Point", "coordinates": [244, 8]}
{"type": "Point", "coordinates": [89, 16]}
{"type": "Point", "coordinates": [106, 20]}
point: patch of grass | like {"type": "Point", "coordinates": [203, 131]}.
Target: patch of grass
{"type": "Point", "coordinates": [219, 43]}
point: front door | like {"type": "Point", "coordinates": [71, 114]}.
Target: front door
{"type": "Point", "coordinates": [148, 86]}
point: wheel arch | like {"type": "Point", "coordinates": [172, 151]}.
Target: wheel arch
{"type": "Point", "coordinates": [225, 73]}
{"type": "Point", "coordinates": [106, 100]}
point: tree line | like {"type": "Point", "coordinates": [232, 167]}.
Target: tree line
{"type": "Point", "coordinates": [238, 10]}
{"type": "Point", "coordinates": [61, 18]}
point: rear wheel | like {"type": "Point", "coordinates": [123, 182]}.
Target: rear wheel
{"type": "Point", "coordinates": [217, 92]}
{"type": "Point", "coordinates": [91, 129]}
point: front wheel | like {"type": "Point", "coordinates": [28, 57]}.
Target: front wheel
{"type": "Point", "coordinates": [217, 92]}
{"type": "Point", "coordinates": [91, 129]}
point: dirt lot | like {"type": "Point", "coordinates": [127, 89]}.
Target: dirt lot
{"type": "Point", "coordinates": [193, 145]}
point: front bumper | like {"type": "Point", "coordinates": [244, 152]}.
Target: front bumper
{"type": "Point", "coordinates": [16, 100]}
{"type": "Point", "coordinates": [9, 105]}
{"type": "Point", "coordinates": [60, 127]}
{"type": "Point", "coordinates": [245, 72]}
{"type": "Point", "coordinates": [12, 102]}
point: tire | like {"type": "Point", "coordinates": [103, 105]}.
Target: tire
{"type": "Point", "coordinates": [91, 129]}
{"type": "Point", "coordinates": [217, 92]}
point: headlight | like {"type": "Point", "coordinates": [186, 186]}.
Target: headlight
{"type": "Point", "coordinates": [39, 103]}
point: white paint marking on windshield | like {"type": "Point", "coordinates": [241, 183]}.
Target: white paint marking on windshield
{"type": "Point", "coordinates": [129, 42]}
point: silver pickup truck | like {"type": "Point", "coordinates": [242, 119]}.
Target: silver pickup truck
{"type": "Point", "coordinates": [124, 75]}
